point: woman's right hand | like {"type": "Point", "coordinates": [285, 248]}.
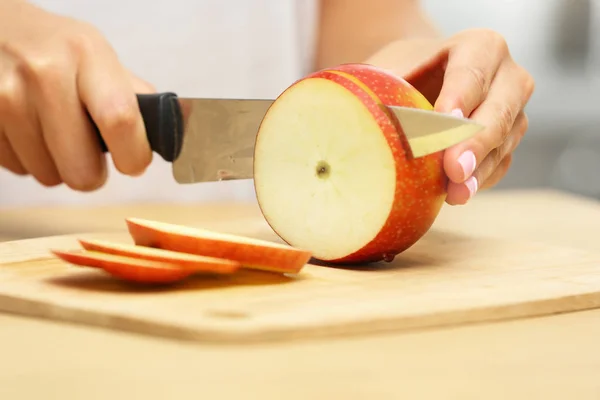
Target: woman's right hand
{"type": "Point", "coordinates": [52, 70]}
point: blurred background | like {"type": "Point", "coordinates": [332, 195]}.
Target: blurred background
{"type": "Point", "coordinates": [558, 42]}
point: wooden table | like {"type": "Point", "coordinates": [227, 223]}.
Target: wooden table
{"type": "Point", "coordinates": [555, 357]}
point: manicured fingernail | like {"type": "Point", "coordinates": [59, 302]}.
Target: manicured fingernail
{"type": "Point", "coordinates": [467, 162]}
{"type": "Point", "coordinates": [457, 112]}
{"type": "Point", "coordinates": [472, 185]}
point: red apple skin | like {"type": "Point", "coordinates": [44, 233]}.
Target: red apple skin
{"type": "Point", "coordinates": [421, 182]}
{"type": "Point", "coordinates": [126, 268]}
{"type": "Point", "coordinates": [251, 256]}
{"type": "Point", "coordinates": [196, 264]}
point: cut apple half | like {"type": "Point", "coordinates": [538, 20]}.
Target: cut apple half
{"type": "Point", "coordinates": [187, 261]}
{"type": "Point", "coordinates": [332, 172]}
{"type": "Point", "coordinates": [250, 252]}
{"type": "Point", "coordinates": [127, 268]}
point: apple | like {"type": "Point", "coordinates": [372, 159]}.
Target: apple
{"type": "Point", "coordinates": [333, 172]}
{"type": "Point", "coordinates": [250, 252]}
{"type": "Point", "coordinates": [187, 261]}
{"type": "Point", "coordinates": [127, 268]}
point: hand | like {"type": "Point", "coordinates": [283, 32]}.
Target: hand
{"type": "Point", "coordinates": [52, 70]}
{"type": "Point", "coordinates": [472, 74]}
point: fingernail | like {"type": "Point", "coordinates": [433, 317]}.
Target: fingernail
{"type": "Point", "coordinates": [472, 185]}
{"type": "Point", "coordinates": [467, 162]}
{"type": "Point", "coordinates": [457, 112]}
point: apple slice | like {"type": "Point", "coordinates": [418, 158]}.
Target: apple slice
{"type": "Point", "coordinates": [332, 170]}
{"type": "Point", "coordinates": [187, 261]}
{"type": "Point", "coordinates": [250, 252]}
{"type": "Point", "coordinates": [127, 268]}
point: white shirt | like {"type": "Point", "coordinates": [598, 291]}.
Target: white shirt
{"type": "Point", "coordinates": [203, 48]}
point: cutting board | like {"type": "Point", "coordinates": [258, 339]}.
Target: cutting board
{"type": "Point", "coordinates": [445, 279]}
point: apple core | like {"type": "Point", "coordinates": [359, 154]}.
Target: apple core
{"type": "Point", "coordinates": [323, 169]}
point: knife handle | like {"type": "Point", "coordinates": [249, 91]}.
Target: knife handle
{"type": "Point", "coordinates": [163, 120]}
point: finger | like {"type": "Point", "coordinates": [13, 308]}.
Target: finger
{"type": "Point", "coordinates": [499, 173]}
{"type": "Point", "coordinates": [65, 127]}
{"type": "Point", "coordinates": [8, 158]}
{"type": "Point", "coordinates": [461, 193]}
{"type": "Point", "coordinates": [106, 90]}
{"type": "Point", "coordinates": [24, 147]}
{"type": "Point", "coordinates": [27, 141]}
{"type": "Point", "coordinates": [497, 113]}
{"type": "Point", "coordinates": [24, 133]}
{"type": "Point", "coordinates": [492, 169]}
{"type": "Point", "coordinates": [496, 156]}
{"type": "Point", "coordinates": [472, 65]}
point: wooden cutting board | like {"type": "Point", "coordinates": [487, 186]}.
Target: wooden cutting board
{"type": "Point", "coordinates": [445, 279]}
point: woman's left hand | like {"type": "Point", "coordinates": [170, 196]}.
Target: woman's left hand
{"type": "Point", "coordinates": [471, 74]}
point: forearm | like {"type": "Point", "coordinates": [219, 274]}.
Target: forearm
{"type": "Point", "coordinates": [357, 31]}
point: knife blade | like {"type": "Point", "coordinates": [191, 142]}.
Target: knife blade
{"type": "Point", "coordinates": [209, 139]}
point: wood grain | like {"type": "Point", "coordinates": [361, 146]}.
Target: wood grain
{"type": "Point", "coordinates": [448, 278]}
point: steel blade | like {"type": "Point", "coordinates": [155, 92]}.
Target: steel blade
{"type": "Point", "coordinates": [429, 132]}
{"type": "Point", "coordinates": [219, 138]}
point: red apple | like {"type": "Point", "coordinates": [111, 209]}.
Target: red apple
{"type": "Point", "coordinates": [127, 268]}
{"type": "Point", "coordinates": [187, 261]}
{"type": "Point", "coordinates": [332, 170]}
{"type": "Point", "coordinates": [250, 252]}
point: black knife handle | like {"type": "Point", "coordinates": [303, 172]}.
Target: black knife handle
{"type": "Point", "coordinates": [164, 124]}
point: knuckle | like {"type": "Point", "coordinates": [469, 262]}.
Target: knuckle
{"type": "Point", "coordinates": [498, 42]}
{"type": "Point", "coordinates": [504, 165]}
{"type": "Point", "coordinates": [80, 43]}
{"type": "Point", "coordinates": [479, 77]}
{"type": "Point", "coordinates": [500, 172]}
{"type": "Point", "coordinates": [475, 77]}
{"type": "Point", "coordinates": [504, 120]}
{"type": "Point", "coordinates": [42, 70]}
{"type": "Point", "coordinates": [12, 51]}
{"type": "Point", "coordinates": [121, 116]}
{"type": "Point", "coordinates": [515, 137]}
{"type": "Point", "coordinates": [9, 89]}
{"type": "Point", "coordinates": [36, 67]}
{"type": "Point", "coordinates": [528, 83]}
{"type": "Point", "coordinates": [493, 40]}
{"type": "Point", "coordinates": [523, 125]}
{"type": "Point", "coordinates": [497, 155]}
{"type": "Point", "coordinates": [507, 148]}
{"type": "Point", "coordinates": [84, 40]}
{"type": "Point", "coordinates": [490, 167]}
{"type": "Point", "coordinates": [517, 133]}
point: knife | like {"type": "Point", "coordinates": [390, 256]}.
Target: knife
{"type": "Point", "coordinates": [209, 139]}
